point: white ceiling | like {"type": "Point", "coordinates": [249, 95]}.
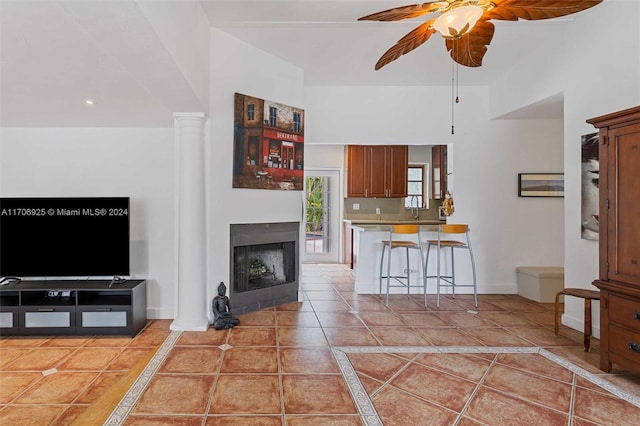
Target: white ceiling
{"type": "Point", "coordinates": [54, 55]}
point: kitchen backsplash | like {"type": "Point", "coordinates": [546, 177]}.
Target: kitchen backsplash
{"type": "Point", "coordinates": [390, 208]}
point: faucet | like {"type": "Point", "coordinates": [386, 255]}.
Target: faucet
{"type": "Point", "coordinates": [416, 212]}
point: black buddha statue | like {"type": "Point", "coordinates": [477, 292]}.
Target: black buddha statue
{"type": "Point", "coordinates": [222, 318]}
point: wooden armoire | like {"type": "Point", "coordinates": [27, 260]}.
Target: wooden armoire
{"type": "Point", "coordinates": [619, 218]}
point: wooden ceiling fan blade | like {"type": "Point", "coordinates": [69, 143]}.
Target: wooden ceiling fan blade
{"type": "Point", "coordinates": [512, 10]}
{"type": "Point", "coordinates": [405, 12]}
{"type": "Point", "coordinates": [407, 43]}
{"type": "Point", "coordinates": [469, 49]}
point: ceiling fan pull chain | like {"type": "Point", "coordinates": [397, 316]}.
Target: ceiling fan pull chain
{"type": "Point", "coordinates": [453, 96]}
{"type": "Point", "coordinates": [452, 103]}
{"type": "Point", "coordinates": [457, 82]}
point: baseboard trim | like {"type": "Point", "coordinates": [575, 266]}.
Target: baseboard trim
{"type": "Point", "coordinates": [160, 313]}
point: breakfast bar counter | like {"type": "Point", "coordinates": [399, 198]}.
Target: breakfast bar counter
{"type": "Point", "coordinates": [367, 249]}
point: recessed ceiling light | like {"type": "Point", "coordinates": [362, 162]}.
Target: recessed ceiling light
{"type": "Point", "coordinates": [89, 101]}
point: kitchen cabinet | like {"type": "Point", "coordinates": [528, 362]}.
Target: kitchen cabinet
{"type": "Point", "coordinates": [619, 232]}
{"type": "Point", "coordinates": [439, 171]}
{"type": "Point", "coordinates": [377, 171]}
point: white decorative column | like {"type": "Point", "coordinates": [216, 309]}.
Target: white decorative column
{"type": "Point", "coordinates": [192, 305]}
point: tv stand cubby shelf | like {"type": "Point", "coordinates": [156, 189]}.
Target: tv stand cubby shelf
{"type": "Point", "coordinates": [38, 308]}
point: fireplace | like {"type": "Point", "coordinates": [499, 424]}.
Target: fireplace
{"type": "Point", "coordinates": [263, 265]}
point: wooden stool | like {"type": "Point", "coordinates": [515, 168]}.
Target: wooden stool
{"type": "Point", "coordinates": [588, 296]}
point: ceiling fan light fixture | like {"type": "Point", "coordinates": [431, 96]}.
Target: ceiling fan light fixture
{"type": "Point", "coordinates": [458, 21]}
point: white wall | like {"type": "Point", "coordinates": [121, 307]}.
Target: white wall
{"type": "Point", "coordinates": [318, 156]}
{"type": "Point", "coordinates": [239, 67]}
{"type": "Point", "coordinates": [401, 115]}
{"type": "Point", "coordinates": [605, 81]}
{"type": "Point", "coordinates": [135, 163]}
{"type": "Point", "coordinates": [596, 66]}
{"type": "Point", "coordinates": [184, 31]}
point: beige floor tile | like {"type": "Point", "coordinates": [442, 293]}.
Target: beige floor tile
{"type": "Point", "coordinates": [13, 384]}
{"type": "Point", "coordinates": [496, 408]}
{"type": "Point", "coordinates": [469, 367]}
{"type": "Point", "coordinates": [58, 388]}
{"type": "Point", "coordinates": [296, 319]}
{"type": "Point", "coordinates": [99, 386]}
{"type": "Point", "coordinates": [307, 361]}
{"type": "Point", "coordinates": [176, 394]}
{"type": "Point", "coordinates": [350, 336]}
{"type": "Point", "coordinates": [435, 386]}
{"type": "Point", "coordinates": [396, 407]}
{"type": "Point", "coordinates": [244, 421]}
{"type": "Point", "coordinates": [398, 336]}
{"type": "Point", "coordinates": [70, 414]}
{"type": "Point", "coordinates": [246, 394]}
{"type": "Point", "coordinates": [89, 359]}
{"type": "Point", "coordinates": [298, 336]}
{"type": "Point", "coordinates": [339, 319]}
{"type": "Point", "coordinates": [496, 337]}
{"type": "Point", "coordinates": [380, 367]}
{"type": "Point", "coordinates": [257, 336]}
{"type": "Point", "coordinates": [259, 318]}
{"type": "Point", "coordinates": [250, 360]}
{"type": "Point", "coordinates": [211, 337]}
{"type": "Point", "coordinates": [196, 360]}
{"type": "Point", "coordinates": [142, 420]}
{"type": "Point", "coordinates": [603, 408]}
{"type": "Point", "coordinates": [448, 337]}
{"type": "Point", "coordinates": [39, 360]}
{"type": "Point", "coordinates": [128, 358]}
{"type": "Point", "coordinates": [8, 355]}
{"type": "Point", "coordinates": [34, 414]}
{"type": "Point", "coordinates": [336, 420]}
{"type": "Point", "coordinates": [538, 364]}
{"type": "Point", "coordinates": [316, 394]}
{"type": "Point", "coordinates": [149, 338]}
{"type": "Point", "coordinates": [375, 318]}
{"type": "Point", "coordinates": [423, 319]}
{"type": "Point", "coordinates": [531, 387]}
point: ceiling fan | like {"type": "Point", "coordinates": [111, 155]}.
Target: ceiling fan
{"type": "Point", "coordinates": [465, 25]}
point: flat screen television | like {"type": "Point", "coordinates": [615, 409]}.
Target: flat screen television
{"type": "Point", "coordinates": [64, 237]}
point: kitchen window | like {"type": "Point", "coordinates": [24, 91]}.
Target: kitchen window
{"type": "Point", "coordinates": [415, 187]}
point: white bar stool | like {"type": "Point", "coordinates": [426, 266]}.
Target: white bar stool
{"type": "Point", "coordinates": [440, 244]}
{"type": "Point", "coordinates": [391, 244]}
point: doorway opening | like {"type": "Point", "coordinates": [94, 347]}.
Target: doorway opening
{"type": "Point", "coordinates": [322, 216]}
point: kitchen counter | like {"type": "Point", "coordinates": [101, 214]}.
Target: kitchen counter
{"type": "Point", "coordinates": [359, 222]}
{"type": "Point", "coordinates": [367, 249]}
{"type": "Point", "coordinates": [371, 225]}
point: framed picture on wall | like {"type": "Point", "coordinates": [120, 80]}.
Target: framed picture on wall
{"type": "Point", "coordinates": [540, 184]}
{"type": "Point", "coordinates": [268, 145]}
{"type": "Point", "coordinates": [590, 186]}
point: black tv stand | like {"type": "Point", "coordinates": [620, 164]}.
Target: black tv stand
{"type": "Point", "coordinates": [72, 307]}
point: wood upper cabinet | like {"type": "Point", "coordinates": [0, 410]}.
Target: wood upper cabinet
{"type": "Point", "coordinates": [619, 234]}
{"type": "Point", "coordinates": [377, 170]}
{"type": "Point", "coordinates": [398, 159]}
{"type": "Point", "coordinates": [439, 171]}
{"type": "Point", "coordinates": [357, 172]}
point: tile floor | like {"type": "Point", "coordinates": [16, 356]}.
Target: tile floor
{"type": "Point", "coordinates": [337, 358]}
